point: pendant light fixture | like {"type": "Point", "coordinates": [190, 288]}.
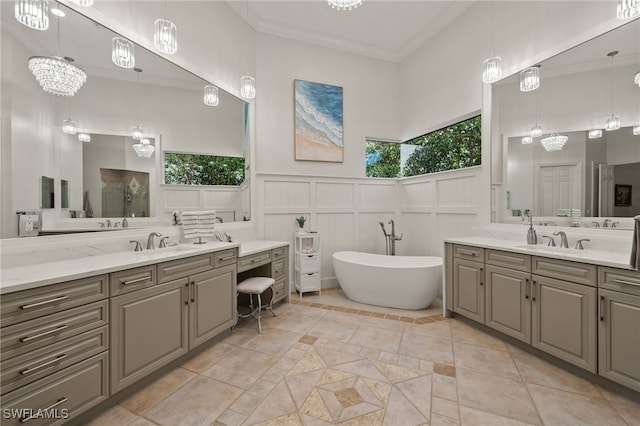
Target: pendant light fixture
{"type": "Point", "coordinates": [612, 122]}
{"type": "Point", "coordinates": [83, 3]}
{"type": "Point", "coordinates": [84, 137]}
{"type": "Point", "coordinates": [33, 13]}
{"type": "Point", "coordinates": [530, 79]}
{"type": "Point", "coordinates": [144, 149]}
{"type": "Point", "coordinates": [165, 36]}
{"type": "Point", "coordinates": [247, 83]}
{"type": "Point", "coordinates": [526, 140]}
{"type": "Point", "coordinates": [492, 67]}
{"type": "Point", "coordinates": [595, 133]}
{"type": "Point", "coordinates": [68, 125]}
{"type": "Point", "coordinates": [122, 52]}
{"type": "Point", "coordinates": [554, 142]}
{"type": "Point", "coordinates": [210, 95]}
{"type": "Point", "coordinates": [137, 133]}
{"type": "Point", "coordinates": [536, 130]}
{"type": "Point", "coordinates": [636, 79]}
{"type": "Point", "coordinates": [636, 130]}
{"type": "Point", "coordinates": [628, 9]}
{"type": "Point", "coordinates": [344, 4]}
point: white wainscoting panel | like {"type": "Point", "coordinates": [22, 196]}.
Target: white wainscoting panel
{"type": "Point", "coordinates": [337, 233]}
{"type": "Point", "coordinates": [181, 198]}
{"type": "Point", "coordinates": [381, 195]}
{"type": "Point", "coordinates": [457, 192]}
{"type": "Point", "coordinates": [334, 195]}
{"type": "Point", "coordinates": [279, 194]}
{"type": "Point", "coordinates": [420, 235]}
{"type": "Point", "coordinates": [417, 194]}
{"type": "Point", "coordinates": [370, 238]}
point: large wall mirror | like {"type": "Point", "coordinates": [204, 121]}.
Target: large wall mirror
{"type": "Point", "coordinates": [101, 172]}
{"type": "Point", "coordinates": [594, 179]}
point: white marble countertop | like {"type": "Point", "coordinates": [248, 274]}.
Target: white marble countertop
{"type": "Point", "coordinates": [597, 257]}
{"type": "Point", "coordinates": [251, 247]}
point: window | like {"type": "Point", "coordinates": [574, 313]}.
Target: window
{"type": "Point", "coordinates": [452, 147]}
{"type": "Point", "coordinates": [200, 169]}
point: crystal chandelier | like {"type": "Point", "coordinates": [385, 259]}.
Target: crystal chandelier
{"type": "Point", "coordinates": [33, 13]}
{"type": "Point", "coordinates": [165, 37]}
{"type": "Point", "coordinates": [57, 75]}
{"type": "Point", "coordinates": [492, 70]}
{"type": "Point", "coordinates": [248, 87]}
{"type": "Point", "coordinates": [526, 140]}
{"type": "Point", "coordinates": [595, 133]}
{"type": "Point", "coordinates": [530, 79]}
{"type": "Point", "coordinates": [554, 142]}
{"type": "Point", "coordinates": [210, 95]}
{"type": "Point", "coordinates": [536, 130]}
{"type": "Point", "coordinates": [636, 79]}
{"type": "Point", "coordinates": [612, 122]}
{"type": "Point", "coordinates": [628, 9]}
{"type": "Point", "coordinates": [144, 149]}
{"type": "Point", "coordinates": [636, 130]}
{"type": "Point", "coordinates": [83, 3]}
{"type": "Point", "coordinates": [344, 4]}
{"type": "Point", "coordinates": [84, 137]}
{"type": "Point", "coordinates": [122, 53]}
{"type": "Point", "coordinates": [69, 127]}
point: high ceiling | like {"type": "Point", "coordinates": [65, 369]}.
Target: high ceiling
{"type": "Point", "coordinates": [383, 29]}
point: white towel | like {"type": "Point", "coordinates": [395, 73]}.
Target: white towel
{"type": "Point", "coordinates": [634, 262]}
{"type": "Point", "coordinates": [198, 224]}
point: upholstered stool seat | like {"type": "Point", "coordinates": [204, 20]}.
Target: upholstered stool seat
{"type": "Point", "coordinates": [256, 286]}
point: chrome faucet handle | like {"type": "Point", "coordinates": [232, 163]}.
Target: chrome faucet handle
{"type": "Point", "coordinates": [579, 245]}
{"type": "Point", "coordinates": [227, 237]}
{"type": "Point", "coordinates": [150, 245]}
{"type": "Point", "coordinates": [138, 245]}
{"type": "Point", "coordinates": [163, 242]}
{"type": "Point", "coordinates": [101, 224]}
{"type": "Point", "coordinates": [108, 223]}
{"type": "Point", "coordinates": [595, 224]}
{"type": "Point", "coordinates": [400, 237]}
{"type": "Point", "coordinates": [613, 225]}
{"type": "Point", "coordinates": [552, 242]}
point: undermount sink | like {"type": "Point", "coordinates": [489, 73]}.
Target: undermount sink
{"type": "Point", "coordinates": [550, 249]}
{"type": "Point", "coordinates": [178, 247]}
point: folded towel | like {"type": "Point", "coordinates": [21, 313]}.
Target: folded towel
{"type": "Point", "coordinates": [634, 262]}
{"type": "Point", "coordinates": [198, 224]}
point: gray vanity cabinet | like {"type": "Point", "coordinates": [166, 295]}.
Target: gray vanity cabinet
{"type": "Point", "coordinates": [468, 282]}
{"type": "Point", "coordinates": [508, 302]}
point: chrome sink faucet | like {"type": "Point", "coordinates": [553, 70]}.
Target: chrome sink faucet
{"type": "Point", "coordinates": [564, 242]}
{"type": "Point", "coordinates": [605, 224]}
{"type": "Point", "coordinates": [150, 245]}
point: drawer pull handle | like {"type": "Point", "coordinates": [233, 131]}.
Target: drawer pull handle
{"type": "Point", "coordinates": [44, 302]}
{"type": "Point", "coordinates": [46, 333]}
{"type": "Point", "coordinates": [52, 406]}
{"type": "Point", "coordinates": [256, 260]}
{"type": "Point", "coordinates": [137, 280]}
{"type": "Point", "coordinates": [277, 254]}
{"type": "Point", "coordinates": [467, 252]}
{"type": "Point", "coordinates": [619, 281]}
{"type": "Point", "coordinates": [601, 308]}
{"type": "Point", "coordinates": [222, 259]}
{"type": "Point", "coordinates": [44, 364]}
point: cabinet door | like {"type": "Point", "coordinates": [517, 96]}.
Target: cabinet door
{"type": "Point", "coordinates": [564, 320]}
{"type": "Point", "coordinates": [149, 328]}
{"type": "Point", "coordinates": [212, 304]}
{"type": "Point", "coordinates": [507, 295]}
{"type": "Point", "coordinates": [619, 338]}
{"type": "Point", "coordinates": [468, 289]}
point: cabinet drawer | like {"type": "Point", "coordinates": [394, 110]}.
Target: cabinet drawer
{"type": "Point", "coordinates": [468, 252]}
{"type": "Point", "coordinates": [28, 304]}
{"type": "Point", "coordinates": [517, 261]}
{"type": "Point", "coordinates": [31, 335]}
{"type": "Point", "coordinates": [308, 281]}
{"type": "Point", "coordinates": [224, 258]}
{"type": "Point", "coordinates": [278, 269]}
{"type": "Point", "coordinates": [132, 279]}
{"type": "Point", "coordinates": [580, 273]}
{"type": "Point", "coordinates": [279, 290]}
{"type": "Point", "coordinates": [34, 365]}
{"type": "Point", "coordinates": [309, 262]}
{"type": "Point", "coordinates": [169, 271]}
{"type": "Point", "coordinates": [66, 393]}
{"type": "Point", "coordinates": [279, 253]}
{"type": "Point", "coordinates": [619, 280]}
{"type": "Point", "coordinates": [249, 262]}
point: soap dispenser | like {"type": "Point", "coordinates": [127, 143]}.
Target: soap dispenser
{"type": "Point", "coordinates": [532, 237]}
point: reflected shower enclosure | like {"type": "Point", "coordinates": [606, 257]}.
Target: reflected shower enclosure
{"type": "Point", "coordinates": [125, 193]}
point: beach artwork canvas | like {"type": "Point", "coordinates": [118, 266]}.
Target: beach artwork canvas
{"type": "Point", "coordinates": [318, 122]}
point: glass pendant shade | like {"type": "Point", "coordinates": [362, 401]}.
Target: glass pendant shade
{"type": "Point", "coordinates": [636, 79]}
{"type": "Point", "coordinates": [526, 140]}
{"type": "Point", "coordinates": [33, 13]}
{"type": "Point", "coordinates": [83, 3]}
{"type": "Point", "coordinates": [165, 37]}
{"type": "Point", "coordinates": [210, 95]}
{"type": "Point", "coordinates": [344, 4]}
{"type": "Point", "coordinates": [628, 9]}
{"type": "Point", "coordinates": [137, 133]}
{"type": "Point", "coordinates": [144, 149]}
{"type": "Point", "coordinates": [69, 127]}
{"type": "Point", "coordinates": [57, 75]}
{"type": "Point", "coordinates": [536, 130]}
{"type": "Point", "coordinates": [248, 87]}
{"type": "Point", "coordinates": [122, 52]}
{"type": "Point", "coordinates": [612, 123]}
{"type": "Point", "coordinates": [529, 79]}
{"type": "Point", "coordinates": [554, 142]}
{"type": "Point", "coordinates": [84, 137]}
{"type": "Point", "coordinates": [492, 70]}
{"type": "Point", "coordinates": [595, 133]}
{"type": "Point", "coordinates": [636, 130]}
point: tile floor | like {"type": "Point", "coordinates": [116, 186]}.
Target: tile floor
{"type": "Point", "coordinates": [316, 364]}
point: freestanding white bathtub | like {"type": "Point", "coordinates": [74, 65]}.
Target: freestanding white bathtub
{"type": "Point", "coordinates": [404, 282]}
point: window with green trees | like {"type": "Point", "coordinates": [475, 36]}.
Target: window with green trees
{"type": "Point", "coordinates": [200, 169]}
{"type": "Point", "coordinates": [452, 147]}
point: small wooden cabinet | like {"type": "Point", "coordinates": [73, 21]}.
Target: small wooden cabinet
{"type": "Point", "coordinates": [307, 262]}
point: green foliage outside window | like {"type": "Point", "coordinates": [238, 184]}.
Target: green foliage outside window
{"type": "Point", "coordinates": [199, 169]}
{"type": "Point", "coordinates": [452, 147]}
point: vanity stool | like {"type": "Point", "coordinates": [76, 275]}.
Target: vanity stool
{"type": "Point", "coordinates": [256, 286]}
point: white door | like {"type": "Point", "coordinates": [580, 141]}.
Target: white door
{"type": "Point", "coordinates": [605, 186]}
{"type": "Point", "coordinates": [558, 188]}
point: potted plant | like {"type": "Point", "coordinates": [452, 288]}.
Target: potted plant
{"type": "Point", "coordinates": [301, 221]}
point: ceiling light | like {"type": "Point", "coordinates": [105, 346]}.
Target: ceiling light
{"type": "Point", "coordinates": [122, 52]}
{"type": "Point", "coordinates": [636, 130]}
{"type": "Point", "coordinates": [165, 37]}
{"type": "Point", "coordinates": [554, 142]}
{"type": "Point", "coordinates": [612, 122]}
{"type": "Point", "coordinates": [344, 4]}
{"type": "Point", "coordinates": [248, 87]}
{"type": "Point", "coordinates": [137, 133]}
{"type": "Point", "coordinates": [57, 75]}
{"type": "Point", "coordinates": [33, 13]}
{"type": "Point", "coordinates": [636, 79]}
{"type": "Point", "coordinates": [144, 149]}
{"type": "Point", "coordinates": [628, 9]}
{"type": "Point", "coordinates": [536, 130]}
{"type": "Point", "coordinates": [492, 70]}
{"type": "Point", "coordinates": [526, 140]}
{"type": "Point", "coordinates": [595, 133]}
{"type": "Point", "coordinates": [84, 137]}
{"type": "Point", "coordinates": [210, 95]}
{"type": "Point", "coordinates": [83, 3]}
{"type": "Point", "coordinates": [69, 127]}
{"type": "Point", "coordinates": [530, 79]}
{"type": "Point", "coordinates": [58, 12]}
